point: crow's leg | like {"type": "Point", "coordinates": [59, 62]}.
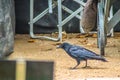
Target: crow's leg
{"type": "Point", "coordinates": [75, 66]}
{"type": "Point", "coordinates": [78, 62]}
{"type": "Point", "coordinates": [85, 64]}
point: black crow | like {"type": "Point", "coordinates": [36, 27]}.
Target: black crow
{"type": "Point", "coordinates": [80, 54]}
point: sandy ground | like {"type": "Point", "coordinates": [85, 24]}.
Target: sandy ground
{"type": "Point", "coordinates": [45, 50]}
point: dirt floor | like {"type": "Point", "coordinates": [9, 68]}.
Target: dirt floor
{"type": "Point", "coordinates": [37, 49]}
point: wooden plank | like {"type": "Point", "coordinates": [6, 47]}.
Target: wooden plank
{"type": "Point", "coordinates": [7, 70]}
{"type": "Point", "coordinates": [20, 69]}
{"type": "Point", "coordinates": [38, 70]}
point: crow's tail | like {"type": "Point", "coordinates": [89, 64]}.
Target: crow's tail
{"type": "Point", "coordinates": [103, 59]}
{"type": "Point", "coordinates": [99, 58]}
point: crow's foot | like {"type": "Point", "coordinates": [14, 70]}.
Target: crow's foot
{"type": "Point", "coordinates": [87, 67]}
{"type": "Point", "coordinates": [75, 67]}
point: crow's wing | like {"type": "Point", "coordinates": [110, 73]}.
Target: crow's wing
{"type": "Point", "coordinates": [82, 53]}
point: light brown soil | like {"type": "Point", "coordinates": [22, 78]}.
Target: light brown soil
{"type": "Point", "coordinates": [37, 49]}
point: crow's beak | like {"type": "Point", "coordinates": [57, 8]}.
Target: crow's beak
{"type": "Point", "coordinates": [58, 47]}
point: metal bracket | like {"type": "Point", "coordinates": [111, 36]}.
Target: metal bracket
{"type": "Point", "coordinates": [52, 5]}
{"type": "Point", "coordinates": [114, 20]}
{"type": "Point", "coordinates": [33, 20]}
